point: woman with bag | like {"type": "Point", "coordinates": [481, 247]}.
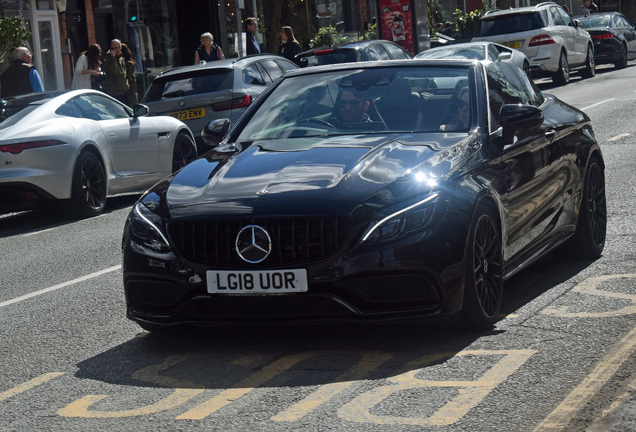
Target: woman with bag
{"type": "Point", "coordinates": [130, 74]}
{"type": "Point", "coordinates": [208, 51]}
{"type": "Point", "coordinates": [87, 66]}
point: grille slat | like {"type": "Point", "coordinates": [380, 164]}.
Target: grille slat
{"type": "Point", "coordinates": [294, 240]}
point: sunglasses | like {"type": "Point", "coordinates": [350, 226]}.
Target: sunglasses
{"type": "Point", "coordinates": [352, 103]}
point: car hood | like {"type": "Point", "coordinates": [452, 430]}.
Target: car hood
{"type": "Point", "coordinates": [372, 169]}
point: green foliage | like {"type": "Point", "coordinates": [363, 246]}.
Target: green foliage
{"type": "Point", "coordinates": [467, 24]}
{"type": "Point", "coordinates": [12, 35]}
{"type": "Point", "coordinates": [435, 13]}
{"type": "Point", "coordinates": [371, 34]}
{"type": "Point", "coordinates": [327, 36]}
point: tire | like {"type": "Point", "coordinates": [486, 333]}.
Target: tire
{"type": "Point", "coordinates": [588, 240]}
{"type": "Point", "coordinates": [184, 151]}
{"type": "Point", "coordinates": [589, 71]}
{"type": "Point", "coordinates": [526, 69]}
{"type": "Point", "coordinates": [562, 76]}
{"type": "Point", "coordinates": [622, 59]}
{"type": "Point", "coordinates": [88, 190]}
{"type": "Point", "coordinates": [483, 271]}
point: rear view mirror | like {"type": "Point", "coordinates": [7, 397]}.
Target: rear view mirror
{"type": "Point", "coordinates": [140, 110]}
{"type": "Point", "coordinates": [515, 118]}
{"type": "Point", "coordinates": [214, 132]}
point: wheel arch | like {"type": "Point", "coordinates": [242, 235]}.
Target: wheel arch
{"type": "Point", "coordinates": [93, 148]}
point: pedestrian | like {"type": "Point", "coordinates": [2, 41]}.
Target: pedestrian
{"type": "Point", "coordinates": [130, 75]}
{"type": "Point", "coordinates": [566, 8]}
{"type": "Point", "coordinates": [448, 29]}
{"type": "Point", "coordinates": [587, 8]}
{"type": "Point", "coordinates": [290, 46]}
{"type": "Point", "coordinates": [115, 68]}
{"type": "Point", "coordinates": [251, 43]}
{"type": "Point", "coordinates": [208, 51]}
{"type": "Point", "coordinates": [20, 77]}
{"type": "Point", "coordinates": [87, 66]}
{"type": "Point", "coordinates": [439, 27]}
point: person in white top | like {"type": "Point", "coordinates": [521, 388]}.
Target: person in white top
{"type": "Point", "coordinates": [87, 65]}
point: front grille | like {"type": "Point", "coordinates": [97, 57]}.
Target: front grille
{"type": "Point", "coordinates": [294, 240]}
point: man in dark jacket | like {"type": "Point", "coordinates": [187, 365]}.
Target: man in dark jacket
{"type": "Point", "coordinates": [20, 77]}
{"type": "Point", "coordinates": [251, 43]}
{"type": "Point", "coordinates": [115, 68]}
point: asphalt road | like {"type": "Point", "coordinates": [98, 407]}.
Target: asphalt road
{"type": "Point", "coordinates": [561, 358]}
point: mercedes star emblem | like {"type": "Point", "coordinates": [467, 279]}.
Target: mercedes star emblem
{"type": "Point", "coordinates": [253, 244]}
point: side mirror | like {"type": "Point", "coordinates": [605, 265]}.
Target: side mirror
{"type": "Point", "coordinates": [214, 132]}
{"type": "Point", "coordinates": [302, 62]}
{"type": "Point", "coordinates": [577, 23]}
{"type": "Point", "coordinates": [515, 118]}
{"type": "Point", "coordinates": [140, 110]}
{"type": "Point", "coordinates": [504, 56]}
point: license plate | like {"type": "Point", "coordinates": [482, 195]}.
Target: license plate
{"type": "Point", "coordinates": [513, 44]}
{"type": "Point", "coordinates": [257, 282]}
{"type": "Point", "coordinates": [188, 114]}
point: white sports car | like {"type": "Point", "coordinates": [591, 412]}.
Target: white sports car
{"type": "Point", "coordinates": [83, 145]}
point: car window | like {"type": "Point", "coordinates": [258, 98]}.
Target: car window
{"type": "Point", "coordinates": [564, 16]}
{"type": "Point", "coordinates": [330, 56]}
{"type": "Point", "coordinates": [190, 83]}
{"type": "Point", "coordinates": [512, 23]}
{"type": "Point", "coordinates": [595, 21]}
{"type": "Point", "coordinates": [493, 53]}
{"type": "Point", "coordinates": [286, 65]}
{"type": "Point", "coordinates": [377, 52]}
{"type": "Point", "coordinates": [252, 75]}
{"type": "Point", "coordinates": [556, 18]}
{"type": "Point", "coordinates": [264, 74]}
{"type": "Point", "coordinates": [618, 22]}
{"type": "Point", "coordinates": [272, 69]}
{"type": "Point", "coordinates": [472, 52]}
{"type": "Point", "coordinates": [99, 107]}
{"type": "Point", "coordinates": [362, 101]}
{"type": "Point", "coordinates": [71, 109]}
{"type": "Point", "coordinates": [396, 52]}
{"type": "Point", "coordinates": [504, 87]}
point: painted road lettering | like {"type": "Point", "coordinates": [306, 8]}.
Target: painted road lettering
{"type": "Point", "coordinates": [29, 385]}
{"type": "Point", "coordinates": [471, 393]}
{"type": "Point", "coordinates": [589, 286]}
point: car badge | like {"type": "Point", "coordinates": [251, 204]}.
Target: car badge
{"type": "Point", "coordinates": [253, 244]}
{"type": "Point", "coordinates": [182, 104]}
{"type": "Point", "coordinates": [262, 192]}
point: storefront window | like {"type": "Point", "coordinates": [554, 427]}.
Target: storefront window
{"type": "Point", "coordinates": [44, 4]}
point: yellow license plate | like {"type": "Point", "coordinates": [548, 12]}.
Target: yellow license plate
{"type": "Point", "coordinates": [188, 114]}
{"type": "Point", "coordinates": [513, 44]}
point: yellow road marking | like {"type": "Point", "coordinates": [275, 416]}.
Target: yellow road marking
{"type": "Point", "coordinates": [259, 378]}
{"type": "Point", "coordinates": [29, 385]}
{"type": "Point", "coordinates": [184, 391]}
{"type": "Point", "coordinates": [617, 137]}
{"type": "Point", "coordinates": [589, 286]}
{"type": "Point", "coordinates": [470, 393]}
{"type": "Point", "coordinates": [582, 394]}
{"type": "Point", "coordinates": [613, 407]}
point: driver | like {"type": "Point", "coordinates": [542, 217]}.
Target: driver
{"type": "Point", "coordinates": [352, 107]}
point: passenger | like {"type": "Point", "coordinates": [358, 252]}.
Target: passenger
{"type": "Point", "coordinates": [461, 122]}
{"type": "Point", "coordinates": [351, 107]}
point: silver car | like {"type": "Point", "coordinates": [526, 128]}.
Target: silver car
{"type": "Point", "coordinates": [82, 146]}
{"type": "Point", "coordinates": [199, 94]}
{"type": "Point", "coordinates": [554, 43]}
{"type": "Point", "coordinates": [479, 51]}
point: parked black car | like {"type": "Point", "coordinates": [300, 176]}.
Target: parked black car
{"type": "Point", "coordinates": [368, 192]}
{"type": "Point", "coordinates": [613, 35]}
{"type": "Point", "coordinates": [372, 50]}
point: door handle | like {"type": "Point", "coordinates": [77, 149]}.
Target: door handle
{"type": "Point", "coordinates": [550, 134]}
{"type": "Point", "coordinates": [113, 134]}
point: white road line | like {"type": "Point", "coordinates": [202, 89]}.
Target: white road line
{"type": "Point", "coordinates": [617, 137]}
{"type": "Point", "coordinates": [597, 104]}
{"type": "Point", "coordinates": [38, 232]}
{"type": "Point", "coordinates": [62, 285]}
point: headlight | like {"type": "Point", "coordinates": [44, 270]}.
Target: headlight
{"type": "Point", "coordinates": [400, 222]}
{"type": "Point", "coordinates": [146, 228]}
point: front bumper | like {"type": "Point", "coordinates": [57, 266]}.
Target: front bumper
{"type": "Point", "coordinates": [411, 278]}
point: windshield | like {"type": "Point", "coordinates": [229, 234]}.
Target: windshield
{"type": "Point", "coordinates": [189, 84]}
{"type": "Point", "coordinates": [596, 21]}
{"type": "Point", "coordinates": [365, 101]}
{"type": "Point", "coordinates": [329, 56]}
{"type": "Point", "coordinates": [512, 23]}
{"type": "Point", "coordinates": [473, 52]}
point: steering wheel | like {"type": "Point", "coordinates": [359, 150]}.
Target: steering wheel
{"type": "Point", "coordinates": [318, 122]}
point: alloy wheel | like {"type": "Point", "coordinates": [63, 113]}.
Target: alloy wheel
{"type": "Point", "coordinates": [487, 266]}
{"type": "Point", "coordinates": [93, 183]}
{"type": "Point", "coordinates": [596, 205]}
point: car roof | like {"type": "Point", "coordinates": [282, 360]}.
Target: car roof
{"type": "Point", "coordinates": [526, 9]}
{"type": "Point", "coordinates": [218, 64]}
{"type": "Point", "coordinates": [344, 45]}
{"type": "Point", "coordinates": [382, 63]}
